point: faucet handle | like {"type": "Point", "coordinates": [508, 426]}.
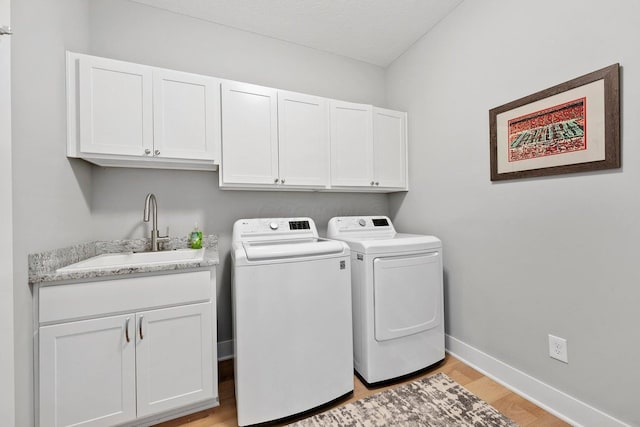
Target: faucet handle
{"type": "Point", "coordinates": [165, 237]}
{"type": "Point", "coordinates": [161, 241]}
{"type": "Point", "coordinates": [160, 238]}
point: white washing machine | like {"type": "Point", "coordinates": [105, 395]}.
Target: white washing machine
{"type": "Point", "coordinates": [291, 318]}
{"type": "Point", "coordinates": [397, 292]}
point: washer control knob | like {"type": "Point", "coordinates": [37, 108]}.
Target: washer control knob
{"type": "Point", "coordinates": [362, 222]}
{"type": "Point", "coordinates": [273, 226]}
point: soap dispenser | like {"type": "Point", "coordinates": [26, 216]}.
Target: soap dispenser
{"type": "Point", "coordinates": [195, 238]}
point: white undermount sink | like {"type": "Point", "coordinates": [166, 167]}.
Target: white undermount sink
{"type": "Point", "coordinates": [131, 259]}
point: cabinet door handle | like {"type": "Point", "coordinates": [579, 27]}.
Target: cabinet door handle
{"type": "Point", "coordinates": [140, 328]}
{"type": "Point", "coordinates": [377, 183]}
{"type": "Point", "coordinates": [275, 180]}
{"type": "Point", "coordinates": [372, 183]}
{"type": "Point", "coordinates": [157, 152]}
{"type": "Point", "coordinates": [147, 151]}
{"type": "Point", "coordinates": [282, 181]}
{"type": "Point", "coordinates": [126, 329]}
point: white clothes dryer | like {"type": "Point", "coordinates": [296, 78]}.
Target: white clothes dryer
{"type": "Point", "coordinates": [292, 327]}
{"type": "Point", "coordinates": [397, 295]}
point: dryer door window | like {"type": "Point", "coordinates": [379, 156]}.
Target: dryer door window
{"type": "Point", "coordinates": [407, 294]}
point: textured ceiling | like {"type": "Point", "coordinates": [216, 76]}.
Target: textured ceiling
{"type": "Point", "coordinates": [374, 31]}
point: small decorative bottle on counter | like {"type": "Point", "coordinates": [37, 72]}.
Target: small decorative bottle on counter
{"type": "Point", "coordinates": [195, 238]}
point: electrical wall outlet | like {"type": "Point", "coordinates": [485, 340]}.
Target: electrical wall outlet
{"type": "Point", "coordinates": [558, 348]}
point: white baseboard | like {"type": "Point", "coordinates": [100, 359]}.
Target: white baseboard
{"type": "Point", "coordinates": [225, 350]}
{"type": "Point", "coordinates": [560, 404]}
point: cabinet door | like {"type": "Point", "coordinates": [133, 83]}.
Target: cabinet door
{"type": "Point", "coordinates": [351, 144]}
{"type": "Point", "coordinates": [390, 148]}
{"type": "Point", "coordinates": [186, 115]}
{"type": "Point", "coordinates": [87, 372]}
{"type": "Point", "coordinates": [303, 136]}
{"type": "Point", "coordinates": [115, 107]}
{"type": "Point", "coordinates": [174, 357]}
{"type": "Point", "coordinates": [249, 134]}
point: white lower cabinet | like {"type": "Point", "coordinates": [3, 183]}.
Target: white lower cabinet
{"type": "Point", "coordinates": [173, 358]}
{"type": "Point", "coordinates": [87, 373]}
{"type": "Point", "coordinates": [125, 369]}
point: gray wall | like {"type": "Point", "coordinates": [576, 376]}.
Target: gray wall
{"type": "Point", "coordinates": [523, 258]}
{"type": "Point", "coordinates": [529, 257]}
{"type": "Point", "coordinates": [51, 194]}
{"type": "Point", "coordinates": [59, 202]}
{"type": "Point", "coordinates": [138, 33]}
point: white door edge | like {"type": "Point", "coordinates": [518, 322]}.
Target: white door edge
{"type": "Point", "coordinates": [7, 378]}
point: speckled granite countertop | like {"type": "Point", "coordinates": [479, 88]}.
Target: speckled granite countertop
{"type": "Point", "coordinates": [43, 265]}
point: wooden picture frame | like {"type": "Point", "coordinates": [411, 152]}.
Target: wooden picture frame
{"type": "Point", "coordinates": [570, 127]}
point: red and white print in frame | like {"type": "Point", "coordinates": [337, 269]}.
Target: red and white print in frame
{"type": "Point", "coordinates": [570, 127]}
{"type": "Point", "coordinates": [557, 130]}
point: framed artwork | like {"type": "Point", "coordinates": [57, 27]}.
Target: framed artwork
{"type": "Point", "coordinates": [571, 127]}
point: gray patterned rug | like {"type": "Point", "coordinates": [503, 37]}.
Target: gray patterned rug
{"type": "Point", "coordinates": [436, 401]}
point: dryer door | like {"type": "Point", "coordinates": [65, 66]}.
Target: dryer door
{"type": "Point", "coordinates": [407, 294]}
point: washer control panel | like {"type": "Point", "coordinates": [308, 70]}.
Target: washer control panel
{"type": "Point", "coordinates": [299, 225]}
{"type": "Point", "coordinates": [273, 228]}
{"type": "Point", "coordinates": [380, 222]}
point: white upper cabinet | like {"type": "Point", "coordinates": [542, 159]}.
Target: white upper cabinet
{"type": "Point", "coordinates": [249, 134]}
{"type": "Point", "coordinates": [390, 148]}
{"type": "Point", "coordinates": [116, 107]}
{"type": "Point", "coordinates": [186, 115]}
{"type": "Point", "coordinates": [124, 114]}
{"type": "Point", "coordinates": [368, 147]}
{"type": "Point", "coordinates": [351, 144]}
{"type": "Point", "coordinates": [303, 129]}
{"type": "Point", "coordinates": [273, 139]}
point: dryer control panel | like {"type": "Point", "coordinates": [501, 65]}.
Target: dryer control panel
{"type": "Point", "coordinates": [346, 226]}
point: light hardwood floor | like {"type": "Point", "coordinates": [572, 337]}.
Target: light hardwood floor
{"type": "Point", "coordinates": [515, 407]}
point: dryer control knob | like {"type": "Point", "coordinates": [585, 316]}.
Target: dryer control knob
{"type": "Point", "coordinates": [362, 222]}
{"type": "Point", "coordinates": [273, 226]}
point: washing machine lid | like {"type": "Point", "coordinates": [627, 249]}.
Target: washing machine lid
{"type": "Point", "coordinates": [282, 249]}
{"type": "Point", "coordinates": [264, 240]}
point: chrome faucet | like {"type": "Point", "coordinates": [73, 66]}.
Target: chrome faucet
{"type": "Point", "coordinates": [151, 203]}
